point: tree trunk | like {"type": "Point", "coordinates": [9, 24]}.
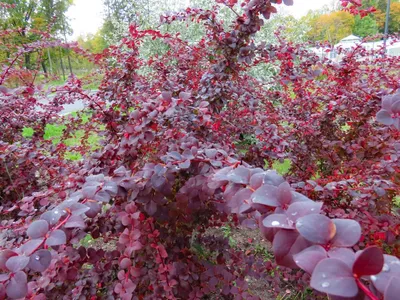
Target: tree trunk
{"type": "Point", "coordinates": [28, 61]}
{"type": "Point", "coordinates": [69, 64]}
{"type": "Point", "coordinates": [44, 69]}
{"type": "Point", "coordinates": [50, 62]}
{"type": "Point", "coordinates": [62, 65]}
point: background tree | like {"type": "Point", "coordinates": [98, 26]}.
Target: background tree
{"type": "Point", "coordinates": [366, 26]}
{"type": "Point", "coordinates": [331, 27]}
{"type": "Point", "coordinates": [93, 42]}
{"type": "Point", "coordinates": [394, 18]}
{"type": "Point", "coordinates": [37, 15]}
{"type": "Point", "coordinates": [20, 19]}
{"type": "Point", "coordinates": [378, 4]}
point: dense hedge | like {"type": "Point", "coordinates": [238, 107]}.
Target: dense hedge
{"type": "Point", "coordinates": [182, 149]}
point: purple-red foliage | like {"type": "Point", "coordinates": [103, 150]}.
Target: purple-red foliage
{"type": "Point", "coordinates": [169, 169]}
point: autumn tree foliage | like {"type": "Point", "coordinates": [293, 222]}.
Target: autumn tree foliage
{"type": "Point", "coordinates": [170, 166]}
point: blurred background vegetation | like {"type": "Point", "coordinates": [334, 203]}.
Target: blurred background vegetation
{"type": "Point", "coordinates": [326, 24]}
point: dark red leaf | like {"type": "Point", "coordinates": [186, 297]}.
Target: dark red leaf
{"type": "Point", "coordinates": [368, 262]}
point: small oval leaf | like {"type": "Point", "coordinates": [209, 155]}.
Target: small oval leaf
{"type": "Point", "coordinates": [17, 263]}
{"type": "Point", "coordinates": [57, 237]}
{"type": "Point", "coordinates": [348, 233]}
{"type": "Point", "coordinates": [38, 229]}
{"type": "Point", "coordinates": [40, 260]}
{"type": "Point", "coordinates": [18, 286]}
{"type": "Point", "coordinates": [384, 117]}
{"type": "Point", "coordinates": [334, 277]}
{"type": "Point", "coordinates": [266, 195]}
{"type": "Point", "coordinates": [317, 229]}
{"type": "Point", "coordinates": [310, 257]}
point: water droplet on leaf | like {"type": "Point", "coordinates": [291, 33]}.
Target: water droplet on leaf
{"type": "Point", "coordinates": [275, 223]}
{"type": "Point", "coordinates": [385, 268]}
{"type": "Point", "coordinates": [295, 213]}
{"type": "Point", "coordinates": [325, 284]}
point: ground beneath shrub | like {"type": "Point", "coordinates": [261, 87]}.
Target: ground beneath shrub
{"type": "Point", "coordinates": [248, 240]}
{"type": "Point", "coordinates": [243, 239]}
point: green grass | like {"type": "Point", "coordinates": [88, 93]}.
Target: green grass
{"type": "Point", "coordinates": [281, 168]}
{"type": "Point", "coordinates": [345, 128]}
{"type": "Point", "coordinates": [261, 250]}
{"type": "Point", "coordinates": [86, 241]}
{"type": "Point", "coordinates": [396, 201]}
{"type": "Point", "coordinates": [317, 175]}
{"type": "Point", "coordinates": [60, 81]}
{"type": "Point", "coordinates": [296, 295]}
{"type": "Point", "coordinates": [27, 132]}
{"type": "Point", "coordinates": [54, 132]}
{"type": "Point", "coordinates": [227, 233]}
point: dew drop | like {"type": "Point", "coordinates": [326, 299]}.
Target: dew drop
{"type": "Point", "coordinates": [385, 268]}
{"type": "Point", "coordinates": [275, 223]}
{"type": "Point", "coordinates": [295, 213]}
{"type": "Point", "coordinates": [312, 209]}
{"type": "Point", "coordinates": [299, 224]}
{"type": "Point", "coordinates": [296, 261]}
{"type": "Point", "coordinates": [323, 275]}
{"type": "Point", "coordinates": [373, 278]}
{"type": "Point", "coordinates": [37, 257]}
{"type": "Point", "coordinates": [325, 284]}
{"type": "Point", "coordinates": [56, 212]}
{"type": "Point", "coordinates": [64, 211]}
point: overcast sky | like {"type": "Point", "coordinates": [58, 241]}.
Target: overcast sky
{"type": "Point", "coordinates": [86, 15]}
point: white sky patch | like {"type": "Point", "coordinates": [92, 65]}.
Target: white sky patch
{"type": "Point", "coordinates": [301, 7]}
{"type": "Point", "coordinates": [87, 15]}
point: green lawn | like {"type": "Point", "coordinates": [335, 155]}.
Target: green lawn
{"type": "Point", "coordinates": [281, 168]}
{"type": "Point", "coordinates": [54, 132]}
